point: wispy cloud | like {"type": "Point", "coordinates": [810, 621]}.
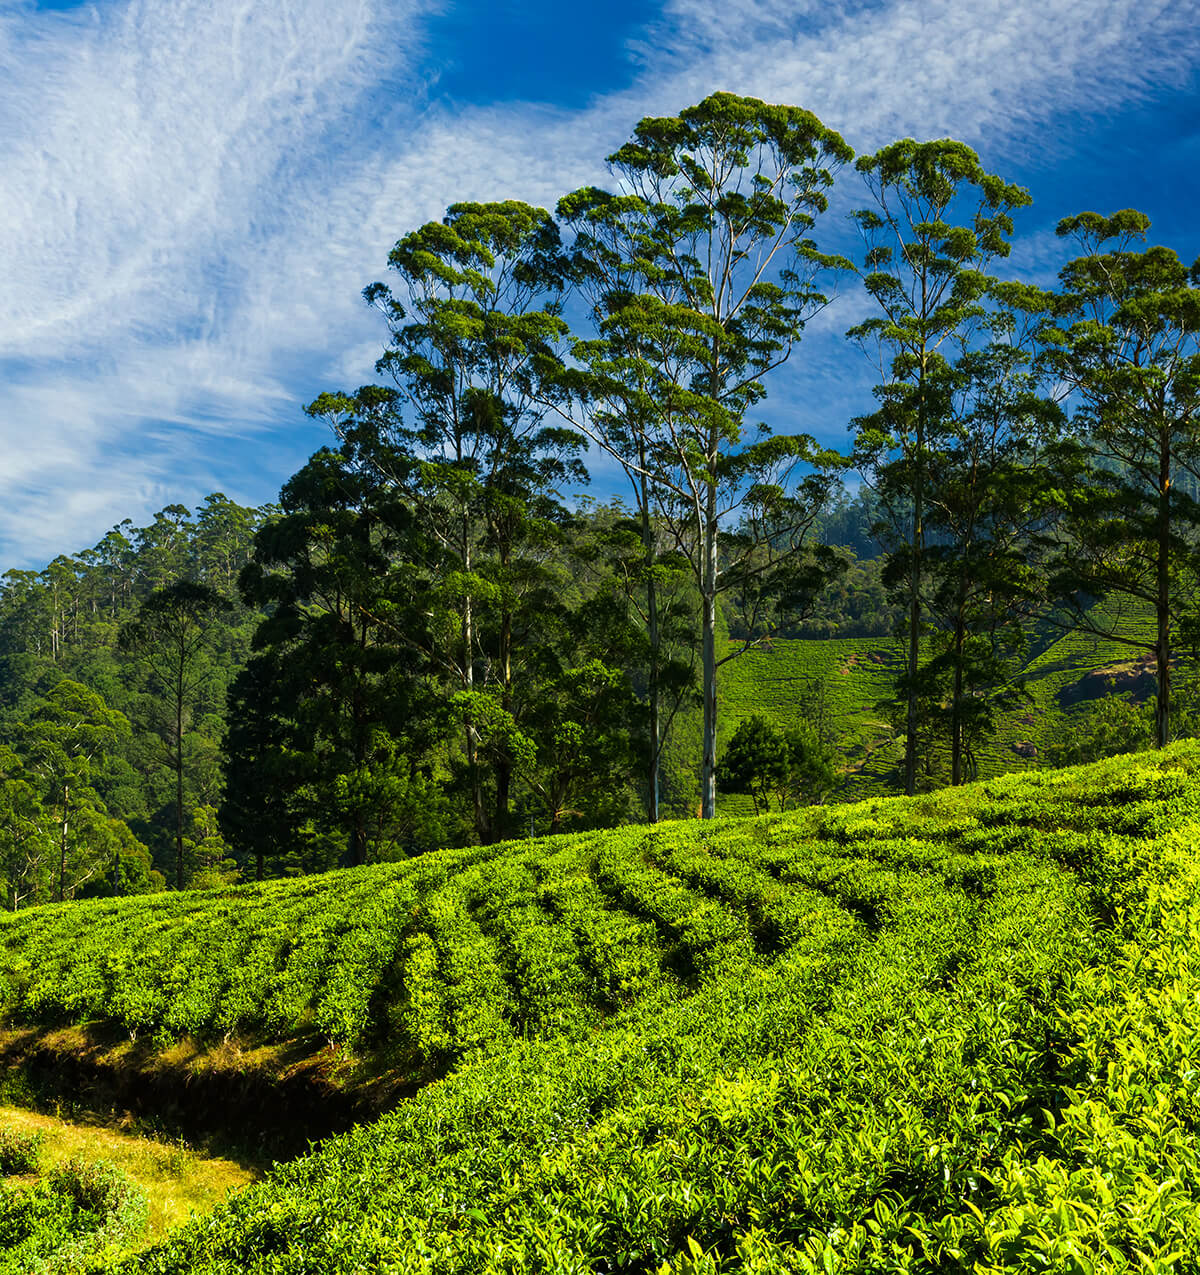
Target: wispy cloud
{"type": "Point", "coordinates": [158, 145]}
{"type": "Point", "coordinates": [172, 227]}
{"type": "Point", "coordinates": [198, 189]}
{"type": "Point", "coordinates": [987, 69]}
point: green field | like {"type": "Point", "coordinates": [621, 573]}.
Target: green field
{"type": "Point", "coordinates": [949, 1033]}
{"type": "Point", "coordinates": [858, 673]}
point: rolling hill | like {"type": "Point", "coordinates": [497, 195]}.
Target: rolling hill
{"type": "Point", "coordinates": [949, 1033]}
{"type": "Point", "coordinates": [1063, 673]}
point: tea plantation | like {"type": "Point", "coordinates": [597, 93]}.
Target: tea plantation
{"type": "Point", "coordinates": [952, 1033]}
{"type": "Point", "coordinates": [857, 675]}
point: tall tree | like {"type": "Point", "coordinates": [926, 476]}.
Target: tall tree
{"type": "Point", "coordinates": [1124, 334]}
{"type": "Point", "coordinates": [26, 839]}
{"type": "Point", "coordinates": [173, 636]}
{"type": "Point", "coordinates": [643, 603]}
{"type": "Point", "coordinates": [164, 551]}
{"type": "Point", "coordinates": [259, 813]}
{"type": "Point", "coordinates": [65, 738]}
{"type": "Point", "coordinates": [475, 324]}
{"type": "Point", "coordinates": [712, 279]}
{"type": "Point", "coordinates": [936, 221]}
{"type": "Point", "coordinates": [332, 715]}
{"type": "Point", "coordinates": [988, 494]}
{"type": "Point", "coordinates": [223, 539]}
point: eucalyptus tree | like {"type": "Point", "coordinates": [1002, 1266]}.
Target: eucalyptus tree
{"type": "Point", "coordinates": [222, 539]}
{"type": "Point", "coordinates": [643, 601]}
{"type": "Point", "coordinates": [164, 548]}
{"type": "Point", "coordinates": [988, 494]}
{"type": "Point", "coordinates": [608, 394]}
{"type": "Point", "coordinates": [1124, 335]}
{"type": "Point", "coordinates": [111, 568]}
{"type": "Point", "coordinates": [935, 222]}
{"type": "Point", "coordinates": [61, 584]}
{"type": "Point", "coordinates": [702, 277]}
{"type": "Point", "coordinates": [174, 636]}
{"type": "Point", "coordinates": [64, 740]}
{"type": "Point", "coordinates": [475, 328]}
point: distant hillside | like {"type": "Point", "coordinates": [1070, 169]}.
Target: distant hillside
{"type": "Point", "coordinates": [856, 674]}
{"type": "Point", "coordinates": [1064, 674]}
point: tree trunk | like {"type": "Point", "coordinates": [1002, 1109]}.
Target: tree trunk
{"type": "Point", "coordinates": [468, 681]}
{"type": "Point", "coordinates": [956, 726]}
{"type": "Point", "coordinates": [1162, 642]}
{"type": "Point", "coordinates": [708, 594]}
{"type": "Point", "coordinates": [504, 764]}
{"type": "Point", "coordinates": [179, 778]}
{"type": "Point", "coordinates": [62, 845]}
{"type": "Point", "coordinates": [652, 625]}
{"type": "Point", "coordinates": [359, 837]}
{"type": "Point", "coordinates": [914, 614]}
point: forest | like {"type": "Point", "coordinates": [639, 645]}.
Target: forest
{"type": "Point", "coordinates": [436, 638]}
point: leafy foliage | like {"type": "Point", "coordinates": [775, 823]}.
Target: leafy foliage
{"type": "Point", "coordinates": [947, 1033]}
{"type": "Point", "coordinates": [794, 767]}
{"type": "Point", "coordinates": [63, 623]}
{"type": "Point", "coordinates": [936, 221]}
{"type": "Point", "coordinates": [69, 1219]}
{"type": "Point", "coordinates": [1124, 333]}
{"type": "Point", "coordinates": [19, 1152]}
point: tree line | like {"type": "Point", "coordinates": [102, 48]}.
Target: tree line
{"type": "Point", "coordinates": [439, 641]}
{"type": "Point", "coordinates": [119, 740]}
{"type": "Point", "coordinates": [114, 666]}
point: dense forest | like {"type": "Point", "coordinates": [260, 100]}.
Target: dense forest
{"type": "Point", "coordinates": [119, 661]}
{"type": "Point", "coordinates": [434, 640]}
{"type": "Point", "coordinates": [96, 728]}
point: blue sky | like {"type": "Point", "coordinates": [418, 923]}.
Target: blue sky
{"type": "Point", "coordinates": [196, 191]}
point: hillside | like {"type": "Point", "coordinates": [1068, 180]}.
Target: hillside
{"type": "Point", "coordinates": [952, 1033]}
{"type": "Point", "coordinates": [1064, 673]}
{"type": "Point", "coordinates": [856, 674]}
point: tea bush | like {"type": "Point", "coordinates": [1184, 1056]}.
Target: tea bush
{"type": "Point", "coordinates": [68, 1220]}
{"type": "Point", "coordinates": [931, 1044]}
{"type": "Point", "coordinates": [19, 1152]}
{"type": "Point", "coordinates": [956, 1033]}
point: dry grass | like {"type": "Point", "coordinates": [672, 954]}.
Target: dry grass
{"type": "Point", "coordinates": [178, 1181]}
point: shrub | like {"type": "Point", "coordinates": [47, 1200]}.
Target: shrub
{"type": "Point", "coordinates": [69, 1218]}
{"type": "Point", "coordinates": [20, 1152]}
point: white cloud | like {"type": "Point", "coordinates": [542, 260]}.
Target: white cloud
{"type": "Point", "coordinates": [145, 140]}
{"type": "Point", "coordinates": [198, 189]}
{"type": "Point", "coordinates": [171, 236]}
{"type": "Point", "coordinates": [975, 69]}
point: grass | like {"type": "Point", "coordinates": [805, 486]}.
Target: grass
{"type": "Point", "coordinates": [859, 673]}
{"type": "Point", "coordinates": [179, 1182]}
